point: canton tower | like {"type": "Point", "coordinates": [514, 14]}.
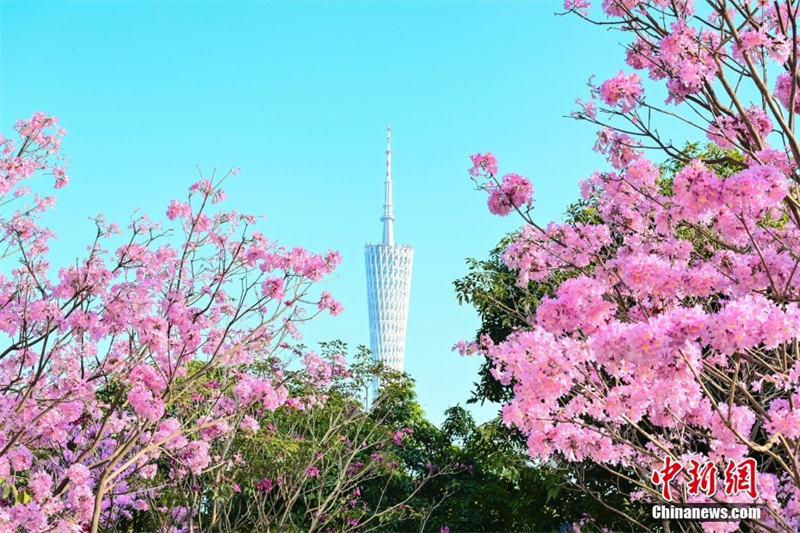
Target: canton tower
{"type": "Point", "coordinates": [388, 284]}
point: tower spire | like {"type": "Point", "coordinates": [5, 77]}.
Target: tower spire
{"type": "Point", "coordinates": [388, 216]}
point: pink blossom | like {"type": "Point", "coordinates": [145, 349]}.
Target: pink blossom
{"type": "Point", "coordinates": [589, 109]}
{"type": "Point", "coordinates": [783, 418]}
{"type": "Point", "coordinates": [622, 90]}
{"type": "Point", "coordinates": [78, 474]}
{"type": "Point", "coordinates": [327, 301]}
{"type": "Point", "coordinates": [783, 91]}
{"type": "Point", "coordinates": [178, 209]}
{"type": "Point", "coordinates": [249, 424]}
{"type": "Point", "coordinates": [728, 131]}
{"type": "Point", "coordinates": [483, 164]}
{"type": "Point", "coordinates": [514, 192]}
{"type": "Point", "coordinates": [698, 192]}
{"type": "Point", "coordinates": [40, 484]}
{"type": "Point", "coordinates": [20, 458]}
{"type": "Point", "coordinates": [145, 404]}
{"type": "Point", "coordinates": [581, 6]}
{"type": "Point", "coordinates": [264, 485]}
{"type": "Point", "coordinates": [620, 148]}
{"type": "Point", "coordinates": [196, 456]}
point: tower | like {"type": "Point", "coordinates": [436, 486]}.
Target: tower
{"type": "Point", "coordinates": [388, 284]}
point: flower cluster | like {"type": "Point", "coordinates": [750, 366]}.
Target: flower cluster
{"type": "Point", "coordinates": [513, 192]}
{"type": "Point", "coordinates": [622, 90]}
{"type": "Point", "coordinates": [751, 128]}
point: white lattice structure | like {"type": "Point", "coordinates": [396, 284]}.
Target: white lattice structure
{"type": "Point", "coordinates": [388, 284]}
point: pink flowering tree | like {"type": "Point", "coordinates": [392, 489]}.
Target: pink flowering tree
{"type": "Point", "coordinates": [121, 372]}
{"type": "Point", "coordinates": [669, 329]}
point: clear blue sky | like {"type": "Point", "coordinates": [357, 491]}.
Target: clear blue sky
{"type": "Point", "coordinates": [298, 95]}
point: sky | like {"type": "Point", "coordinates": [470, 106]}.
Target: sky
{"type": "Point", "coordinates": [298, 95]}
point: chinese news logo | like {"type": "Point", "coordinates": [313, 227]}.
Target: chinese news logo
{"type": "Point", "coordinates": [702, 477]}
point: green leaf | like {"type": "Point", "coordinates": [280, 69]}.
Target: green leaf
{"type": "Point", "coordinates": [23, 497]}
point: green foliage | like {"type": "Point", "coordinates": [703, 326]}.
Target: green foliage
{"type": "Point", "coordinates": [491, 483]}
{"type": "Point", "coordinates": [486, 488]}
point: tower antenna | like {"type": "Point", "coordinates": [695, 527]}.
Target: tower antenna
{"type": "Point", "coordinates": [388, 216]}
